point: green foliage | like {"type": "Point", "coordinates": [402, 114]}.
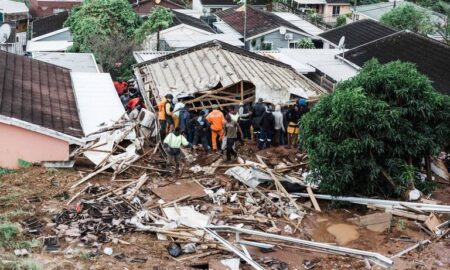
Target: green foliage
{"type": "Point", "coordinates": [434, 5]}
{"type": "Point", "coordinates": [8, 199]}
{"type": "Point", "coordinates": [366, 2]}
{"type": "Point", "coordinates": [160, 18]}
{"type": "Point", "coordinates": [409, 17]}
{"type": "Point", "coordinates": [341, 20]}
{"type": "Point", "coordinates": [315, 18]}
{"type": "Point", "coordinates": [24, 163]}
{"type": "Point", "coordinates": [13, 263]}
{"type": "Point", "coordinates": [96, 25]}
{"type": "Point", "coordinates": [364, 137]}
{"type": "Point", "coordinates": [8, 232]}
{"type": "Point", "coordinates": [4, 171]}
{"type": "Point", "coordinates": [305, 43]}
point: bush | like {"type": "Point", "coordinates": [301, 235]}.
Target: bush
{"type": "Point", "coordinates": [341, 20]}
{"type": "Point", "coordinates": [305, 43]}
{"type": "Point", "coordinates": [371, 133]}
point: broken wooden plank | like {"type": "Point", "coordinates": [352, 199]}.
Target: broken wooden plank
{"type": "Point", "coordinates": [313, 199]}
{"type": "Point", "coordinates": [89, 176]}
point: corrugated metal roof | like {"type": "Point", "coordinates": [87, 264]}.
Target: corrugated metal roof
{"type": "Point", "coordinates": [97, 100]}
{"type": "Point", "coordinates": [203, 67]}
{"type": "Point", "coordinates": [76, 62]}
{"type": "Point", "coordinates": [300, 23]}
{"type": "Point", "coordinates": [13, 7]}
{"type": "Point", "coordinates": [143, 56]}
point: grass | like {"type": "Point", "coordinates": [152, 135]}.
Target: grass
{"type": "Point", "coordinates": [13, 263]}
{"type": "Point", "coordinates": [8, 232]}
{"type": "Point", "coordinates": [8, 199]}
{"type": "Point", "coordinates": [4, 171]}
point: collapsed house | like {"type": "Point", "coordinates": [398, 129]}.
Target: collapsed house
{"type": "Point", "coordinates": [218, 73]}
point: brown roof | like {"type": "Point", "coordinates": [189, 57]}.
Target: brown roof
{"type": "Point", "coordinates": [39, 93]}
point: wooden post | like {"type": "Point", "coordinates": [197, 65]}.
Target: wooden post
{"type": "Point", "coordinates": [242, 91]}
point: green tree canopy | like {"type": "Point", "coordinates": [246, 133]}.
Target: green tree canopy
{"type": "Point", "coordinates": [409, 17]}
{"type": "Point", "coordinates": [160, 18]}
{"type": "Point", "coordinates": [97, 24]}
{"type": "Point", "coordinates": [305, 43]}
{"type": "Point", "coordinates": [365, 137]}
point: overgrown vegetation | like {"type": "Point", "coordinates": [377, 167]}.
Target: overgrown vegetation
{"type": "Point", "coordinates": [341, 20]}
{"type": "Point", "coordinates": [305, 43]}
{"type": "Point", "coordinates": [371, 134]}
{"type": "Point", "coordinates": [106, 28]}
{"type": "Point", "coordinates": [409, 17]}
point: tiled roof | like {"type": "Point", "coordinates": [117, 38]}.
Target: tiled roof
{"type": "Point", "coordinates": [204, 66]}
{"type": "Point", "coordinates": [180, 18]}
{"type": "Point", "coordinates": [145, 7]}
{"type": "Point", "coordinates": [231, 2]}
{"type": "Point", "coordinates": [48, 24]}
{"type": "Point", "coordinates": [358, 33]}
{"type": "Point", "coordinates": [431, 57]}
{"type": "Point", "coordinates": [258, 21]}
{"type": "Point", "coordinates": [38, 93]}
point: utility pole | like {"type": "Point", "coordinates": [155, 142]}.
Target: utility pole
{"type": "Point", "coordinates": [245, 24]}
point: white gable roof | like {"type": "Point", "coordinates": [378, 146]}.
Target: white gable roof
{"type": "Point", "coordinates": [12, 7]}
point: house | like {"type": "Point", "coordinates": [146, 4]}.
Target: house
{"type": "Point", "coordinates": [376, 11]}
{"type": "Point", "coordinates": [38, 111]}
{"type": "Point", "coordinates": [327, 10]}
{"type": "Point", "coordinates": [212, 6]}
{"type": "Point", "coordinates": [12, 11]}
{"type": "Point", "coordinates": [261, 30]}
{"type": "Point", "coordinates": [76, 62]}
{"type": "Point", "coordinates": [12, 40]}
{"type": "Point", "coordinates": [356, 34]}
{"type": "Point", "coordinates": [300, 23]}
{"type": "Point", "coordinates": [322, 66]}
{"type": "Point", "coordinates": [48, 34]}
{"type": "Point", "coordinates": [41, 8]}
{"type": "Point", "coordinates": [145, 7]}
{"type": "Point", "coordinates": [431, 57]}
{"type": "Point", "coordinates": [225, 73]}
{"type": "Point", "coordinates": [187, 31]}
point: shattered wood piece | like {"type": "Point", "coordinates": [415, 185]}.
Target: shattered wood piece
{"type": "Point", "coordinates": [210, 170]}
{"type": "Point", "coordinates": [89, 176]}
{"type": "Point", "coordinates": [432, 223]}
{"type": "Point", "coordinates": [78, 194]}
{"type": "Point", "coordinates": [401, 253]}
{"type": "Point", "coordinates": [405, 214]}
{"type": "Point", "coordinates": [281, 187]}
{"type": "Point", "coordinates": [196, 256]}
{"type": "Point", "coordinates": [313, 199]}
{"type": "Point", "coordinates": [107, 193]}
{"type": "Point", "coordinates": [141, 181]}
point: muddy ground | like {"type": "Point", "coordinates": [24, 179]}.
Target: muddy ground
{"type": "Point", "coordinates": [49, 185]}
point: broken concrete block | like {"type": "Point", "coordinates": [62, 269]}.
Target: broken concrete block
{"type": "Point", "coordinates": [108, 251]}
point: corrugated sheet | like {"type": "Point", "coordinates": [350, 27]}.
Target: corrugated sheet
{"type": "Point", "coordinates": [202, 67]}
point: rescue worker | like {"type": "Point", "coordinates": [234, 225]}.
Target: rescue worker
{"type": "Point", "coordinates": [293, 116]}
{"type": "Point", "coordinates": [183, 119]}
{"type": "Point", "coordinates": [278, 137]}
{"type": "Point", "coordinates": [231, 133]}
{"type": "Point", "coordinates": [244, 120]}
{"type": "Point", "coordinates": [162, 116]}
{"type": "Point", "coordinates": [200, 125]}
{"type": "Point", "coordinates": [258, 111]}
{"type": "Point", "coordinates": [216, 122]}
{"type": "Point", "coordinates": [168, 111]}
{"type": "Point", "coordinates": [172, 144]}
{"type": "Point", "coordinates": [267, 126]}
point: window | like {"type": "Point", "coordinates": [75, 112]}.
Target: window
{"type": "Point", "coordinates": [266, 46]}
{"type": "Point", "coordinates": [293, 44]}
{"type": "Point", "coordinates": [214, 10]}
{"type": "Point", "coordinates": [336, 10]}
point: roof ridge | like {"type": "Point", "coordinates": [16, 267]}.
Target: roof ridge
{"type": "Point", "coordinates": [218, 44]}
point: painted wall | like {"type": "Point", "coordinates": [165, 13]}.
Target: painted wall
{"type": "Point", "coordinates": [328, 12]}
{"type": "Point", "coordinates": [277, 40]}
{"type": "Point", "coordinates": [18, 143]}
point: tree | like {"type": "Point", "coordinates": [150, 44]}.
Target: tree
{"type": "Point", "coordinates": [95, 23]}
{"type": "Point", "coordinates": [409, 17]}
{"type": "Point", "coordinates": [305, 43]}
{"type": "Point", "coordinates": [160, 18]}
{"type": "Point", "coordinates": [443, 28]}
{"type": "Point", "coordinates": [370, 135]}
{"type": "Point", "coordinates": [341, 20]}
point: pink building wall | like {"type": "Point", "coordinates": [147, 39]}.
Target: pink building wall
{"type": "Point", "coordinates": [18, 143]}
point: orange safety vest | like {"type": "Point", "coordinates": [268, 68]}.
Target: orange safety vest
{"type": "Point", "coordinates": [216, 120]}
{"type": "Point", "coordinates": [161, 109]}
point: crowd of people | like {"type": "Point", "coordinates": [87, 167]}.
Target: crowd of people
{"type": "Point", "coordinates": [219, 129]}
